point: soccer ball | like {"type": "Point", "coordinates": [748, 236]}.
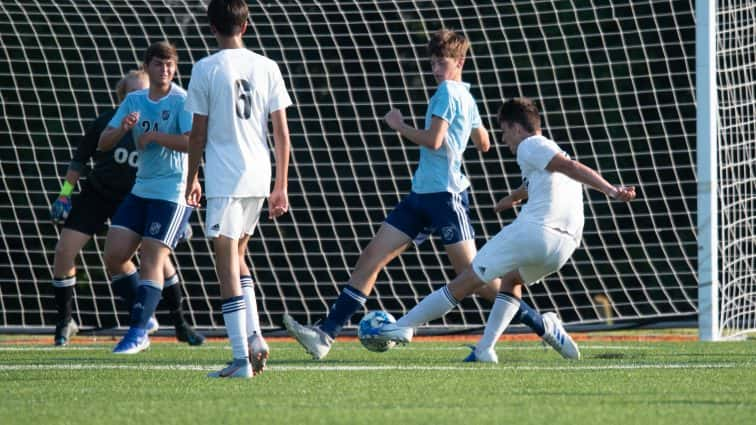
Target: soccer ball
{"type": "Point", "coordinates": [370, 325]}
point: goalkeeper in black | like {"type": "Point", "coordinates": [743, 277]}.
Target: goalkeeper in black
{"type": "Point", "coordinates": [87, 213]}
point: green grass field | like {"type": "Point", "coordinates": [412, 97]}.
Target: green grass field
{"type": "Point", "coordinates": [425, 382]}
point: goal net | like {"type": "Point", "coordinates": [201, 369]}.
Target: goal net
{"type": "Point", "coordinates": [615, 81]}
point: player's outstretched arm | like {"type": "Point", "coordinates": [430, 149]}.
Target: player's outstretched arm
{"type": "Point", "coordinates": [278, 202]}
{"type": "Point", "coordinates": [586, 175]}
{"type": "Point", "coordinates": [480, 138]}
{"type": "Point", "coordinates": [197, 142]}
{"type": "Point", "coordinates": [514, 198]}
{"type": "Point", "coordinates": [432, 138]}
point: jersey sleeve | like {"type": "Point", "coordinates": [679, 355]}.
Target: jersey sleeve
{"type": "Point", "coordinates": [123, 109]}
{"type": "Point", "coordinates": [87, 144]}
{"type": "Point", "coordinates": [476, 122]}
{"type": "Point", "coordinates": [197, 96]}
{"type": "Point", "coordinates": [185, 121]}
{"type": "Point", "coordinates": [442, 105]}
{"type": "Point", "coordinates": [537, 152]}
{"type": "Point", "coordinates": [278, 98]}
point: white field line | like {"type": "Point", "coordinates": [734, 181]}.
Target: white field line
{"type": "Point", "coordinates": [329, 368]}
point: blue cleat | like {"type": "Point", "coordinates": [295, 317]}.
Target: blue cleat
{"type": "Point", "coordinates": [133, 342]}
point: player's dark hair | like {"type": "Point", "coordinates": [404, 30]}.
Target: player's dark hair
{"type": "Point", "coordinates": [162, 50]}
{"type": "Point", "coordinates": [523, 111]}
{"type": "Point", "coordinates": [446, 43]}
{"type": "Point", "coordinates": [227, 16]}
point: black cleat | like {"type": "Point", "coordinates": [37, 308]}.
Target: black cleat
{"type": "Point", "coordinates": [185, 333]}
{"type": "Point", "coordinates": [64, 332]}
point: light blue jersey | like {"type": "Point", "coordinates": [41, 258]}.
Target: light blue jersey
{"type": "Point", "coordinates": [441, 170]}
{"type": "Point", "coordinates": [161, 172]}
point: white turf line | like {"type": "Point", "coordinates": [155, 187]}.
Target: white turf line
{"type": "Point", "coordinates": [326, 368]}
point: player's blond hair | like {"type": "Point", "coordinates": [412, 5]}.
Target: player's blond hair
{"type": "Point", "coordinates": [134, 74]}
{"type": "Point", "coordinates": [446, 43]}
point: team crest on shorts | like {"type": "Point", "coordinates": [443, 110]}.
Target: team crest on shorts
{"type": "Point", "coordinates": [166, 114]}
{"type": "Point", "coordinates": [154, 228]}
{"type": "Point", "coordinates": [447, 232]}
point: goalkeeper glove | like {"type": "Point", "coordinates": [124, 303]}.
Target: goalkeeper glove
{"type": "Point", "coordinates": [62, 206]}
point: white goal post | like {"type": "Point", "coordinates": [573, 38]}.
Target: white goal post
{"type": "Point", "coordinates": [726, 133]}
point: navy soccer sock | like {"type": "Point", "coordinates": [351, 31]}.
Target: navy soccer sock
{"type": "Point", "coordinates": [147, 299]}
{"type": "Point", "coordinates": [125, 286]}
{"type": "Point", "coordinates": [350, 300]}
{"type": "Point", "coordinates": [530, 318]}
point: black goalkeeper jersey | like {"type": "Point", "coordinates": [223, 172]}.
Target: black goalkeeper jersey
{"type": "Point", "coordinates": [114, 171]}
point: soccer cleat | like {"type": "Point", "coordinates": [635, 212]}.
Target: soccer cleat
{"type": "Point", "coordinates": [558, 338]}
{"type": "Point", "coordinates": [136, 340]}
{"type": "Point", "coordinates": [239, 368]}
{"type": "Point", "coordinates": [187, 334]}
{"type": "Point", "coordinates": [258, 352]}
{"type": "Point", "coordinates": [398, 334]}
{"type": "Point", "coordinates": [315, 341]}
{"type": "Point", "coordinates": [64, 332]}
{"type": "Point", "coordinates": [152, 325]}
{"type": "Point", "coordinates": [488, 356]}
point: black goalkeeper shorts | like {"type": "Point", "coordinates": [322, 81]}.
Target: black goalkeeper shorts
{"type": "Point", "coordinates": [90, 211]}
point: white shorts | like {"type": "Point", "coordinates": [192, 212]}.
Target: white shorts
{"type": "Point", "coordinates": [232, 217]}
{"type": "Point", "coordinates": [533, 250]}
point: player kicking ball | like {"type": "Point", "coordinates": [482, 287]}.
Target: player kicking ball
{"type": "Point", "coordinates": [536, 244]}
{"type": "Point", "coordinates": [438, 203]}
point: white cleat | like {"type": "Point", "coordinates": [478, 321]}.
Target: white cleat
{"type": "Point", "coordinates": [258, 352]}
{"type": "Point", "coordinates": [397, 334]}
{"type": "Point", "coordinates": [558, 338]}
{"type": "Point", "coordinates": [239, 368]}
{"type": "Point", "coordinates": [487, 356]}
{"type": "Point", "coordinates": [152, 325]}
{"type": "Point", "coordinates": [315, 341]}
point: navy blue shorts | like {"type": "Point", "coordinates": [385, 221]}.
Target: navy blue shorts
{"type": "Point", "coordinates": [420, 215]}
{"type": "Point", "coordinates": [156, 219]}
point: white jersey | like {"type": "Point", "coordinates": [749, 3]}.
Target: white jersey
{"type": "Point", "coordinates": [554, 200]}
{"type": "Point", "coordinates": [237, 89]}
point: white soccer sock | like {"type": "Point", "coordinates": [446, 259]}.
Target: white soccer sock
{"type": "Point", "coordinates": [253, 318]}
{"type": "Point", "coordinates": [433, 306]}
{"type": "Point", "coordinates": [234, 311]}
{"type": "Point", "coordinates": [504, 309]}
